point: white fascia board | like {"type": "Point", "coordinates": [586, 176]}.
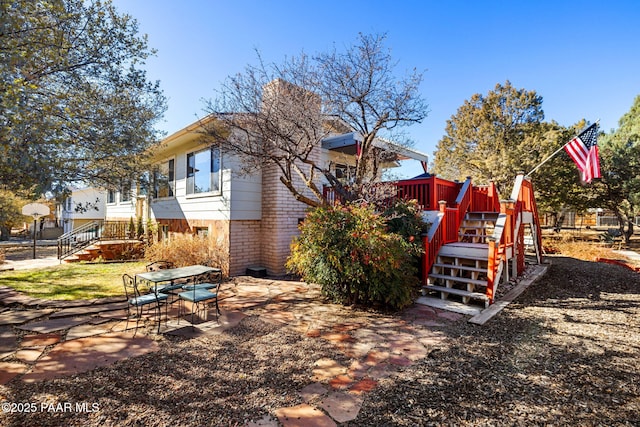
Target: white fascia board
{"type": "Point", "coordinates": [399, 149]}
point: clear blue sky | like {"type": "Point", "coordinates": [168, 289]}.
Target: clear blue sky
{"type": "Point", "coordinates": [582, 57]}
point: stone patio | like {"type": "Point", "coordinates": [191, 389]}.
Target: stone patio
{"type": "Point", "coordinates": [66, 338]}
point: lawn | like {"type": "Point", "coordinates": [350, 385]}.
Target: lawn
{"type": "Point", "coordinates": [72, 281]}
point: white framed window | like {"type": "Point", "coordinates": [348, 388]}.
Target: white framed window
{"type": "Point", "coordinates": [164, 180]}
{"type": "Point", "coordinates": [125, 192]}
{"type": "Point", "coordinates": [204, 171]}
{"type": "Point", "coordinates": [111, 196]}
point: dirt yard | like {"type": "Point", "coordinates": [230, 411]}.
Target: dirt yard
{"type": "Point", "coordinates": [566, 353]}
{"type": "Point", "coordinates": [16, 253]}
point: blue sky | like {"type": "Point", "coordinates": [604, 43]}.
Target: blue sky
{"type": "Point", "coordinates": [582, 57]}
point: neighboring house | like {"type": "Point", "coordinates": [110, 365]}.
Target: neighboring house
{"type": "Point", "coordinates": [197, 189]}
{"type": "Point", "coordinates": [82, 206]}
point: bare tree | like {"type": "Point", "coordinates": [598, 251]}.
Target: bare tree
{"type": "Point", "coordinates": [279, 114]}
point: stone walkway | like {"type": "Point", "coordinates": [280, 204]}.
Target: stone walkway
{"type": "Point", "coordinates": [40, 340]}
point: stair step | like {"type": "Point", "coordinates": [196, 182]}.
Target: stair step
{"type": "Point", "coordinates": [465, 250]}
{"type": "Point", "coordinates": [477, 282]}
{"type": "Point", "coordinates": [461, 267]}
{"type": "Point", "coordinates": [461, 257]}
{"type": "Point", "coordinates": [460, 292]}
{"type": "Point", "coordinates": [481, 214]}
{"type": "Point", "coordinates": [474, 235]}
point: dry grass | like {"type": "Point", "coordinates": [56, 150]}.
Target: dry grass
{"type": "Point", "coordinates": [580, 247]}
{"type": "Point", "coordinates": [183, 250]}
{"type": "Point", "coordinates": [586, 251]}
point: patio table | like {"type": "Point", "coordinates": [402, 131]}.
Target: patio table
{"type": "Point", "coordinates": [173, 274]}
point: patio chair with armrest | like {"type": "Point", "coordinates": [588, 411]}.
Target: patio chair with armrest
{"type": "Point", "coordinates": [203, 292]}
{"type": "Point", "coordinates": [138, 299]}
{"type": "Point", "coordinates": [209, 280]}
{"type": "Point", "coordinates": [159, 265]}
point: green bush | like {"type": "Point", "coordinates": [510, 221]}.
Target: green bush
{"type": "Point", "coordinates": [404, 217]}
{"type": "Point", "coordinates": [351, 253]}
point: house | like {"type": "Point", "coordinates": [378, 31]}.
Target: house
{"type": "Point", "coordinates": [80, 207]}
{"type": "Point", "coordinates": [197, 188]}
{"type": "Point", "coordinates": [475, 241]}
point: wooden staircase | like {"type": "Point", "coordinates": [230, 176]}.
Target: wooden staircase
{"type": "Point", "coordinates": [477, 241]}
{"type": "Point", "coordinates": [108, 251]}
{"type": "Point", "coordinates": [106, 240]}
{"type": "Point", "coordinates": [461, 267]}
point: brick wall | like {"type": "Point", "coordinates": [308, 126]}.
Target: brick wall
{"type": "Point", "coordinates": [219, 230]}
{"type": "Point", "coordinates": [244, 246]}
{"type": "Point", "coordinates": [281, 213]}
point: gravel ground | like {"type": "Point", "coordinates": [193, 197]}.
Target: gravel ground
{"type": "Point", "coordinates": [565, 353]}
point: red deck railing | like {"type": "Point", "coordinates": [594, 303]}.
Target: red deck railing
{"type": "Point", "coordinates": [427, 191]}
{"type": "Point", "coordinates": [453, 200]}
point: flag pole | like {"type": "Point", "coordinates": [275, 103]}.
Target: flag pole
{"type": "Point", "coordinates": [547, 159]}
{"type": "Point", "coordinates": [560, 149]}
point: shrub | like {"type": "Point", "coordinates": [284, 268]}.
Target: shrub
{"type": "Point", "coordinates": [184, 249]}
{"type": "Point", "coordinates": [404, 217]}
{"type": "Point", "coordinates": [139, 229]}
{"type": "Point", "coordinates": [350, 253]}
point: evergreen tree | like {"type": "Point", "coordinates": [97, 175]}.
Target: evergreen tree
{"type": "Point", "coordinates": [75, 104]}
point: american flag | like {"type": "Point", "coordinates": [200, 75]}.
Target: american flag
{"type": "Point", "coordinates": [583, 150]}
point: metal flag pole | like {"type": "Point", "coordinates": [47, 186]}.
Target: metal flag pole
{"type": "Point", "coordinates": [560, 149]}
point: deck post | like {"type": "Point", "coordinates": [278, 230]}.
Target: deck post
{"type": "Point", "coordinates": [443, 210]}
{"type": "Point", "coordinates": [491, 269]}
{"type": "Point", "coordinates": [425, 258]}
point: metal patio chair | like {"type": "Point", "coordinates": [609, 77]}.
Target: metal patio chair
{"type": "Point", "coordinates": [205, 291]}
{"type": "Point", "coordinates": [138, 299]}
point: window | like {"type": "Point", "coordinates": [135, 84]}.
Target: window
{"type": "Point", "coordinates": [69, 204]}
{"type": "Point", "coordinates": [163, 180]}
{"type": "Point", "coordinates": [164, 231]}
{"type": "Point", "coordinates": [201, 231]}
{"type": "Point", "coordinates": [345, 174]}
{"type": "Point", "coordinates": [203, 171]}
{"type": "Point", "coordinates": [111, 196]}
{"type": "Point", "coordinates": [125, 192]}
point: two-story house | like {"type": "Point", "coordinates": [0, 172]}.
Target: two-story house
{"type": "Point", "coordinates": [197, 188]}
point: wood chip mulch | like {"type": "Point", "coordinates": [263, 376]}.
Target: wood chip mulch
{"type": "Point", "coordinates": [566, 352]}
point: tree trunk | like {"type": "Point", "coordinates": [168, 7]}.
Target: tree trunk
{"type": "Point", "coordinates": [629, 232]}
{"type": "Point", "coordinates": [559, 219]}
{"type": "Point", "coordinates": [5, 233]}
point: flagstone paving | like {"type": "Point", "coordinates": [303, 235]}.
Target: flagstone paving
{"type": "Point", "coordinates": [17, 317]}
{"type": "Point", "coordinates": [67, 338]}
{"type": "Point", "coordinates": [52, 325]}
{"type": "Point", "coordinates": [83, 354]}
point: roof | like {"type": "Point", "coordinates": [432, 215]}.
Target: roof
{"type": "Point", "coordinates": [347, 143]}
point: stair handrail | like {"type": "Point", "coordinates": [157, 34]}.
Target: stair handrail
{"type": "Point", "coordinates": [463, 200]}
{"type": "Point", "coordinates": [431, 241]}
{"type": "Point", "coordinates": [507, 230]}
{"type": "Point", "coordinates": [498, 242]}
{"type": "Point", "coordinates": [82, 228]}
{"type": "Point", "coordinates": [69, 243]}
{"type": "Point", "coordinates": [523, 194]}
{"type": "Point", "coordinates": [435, 237]}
